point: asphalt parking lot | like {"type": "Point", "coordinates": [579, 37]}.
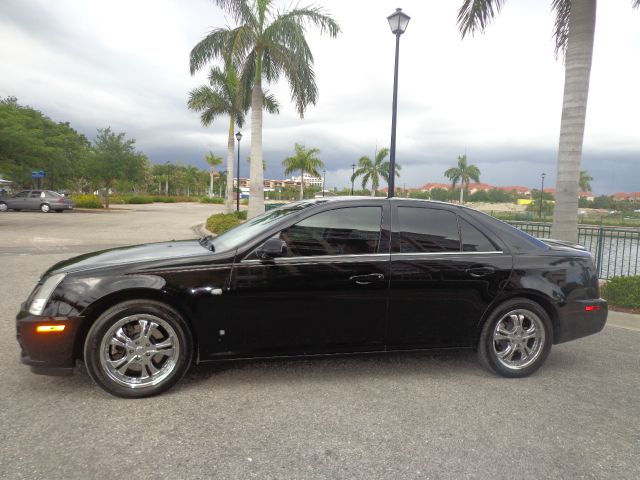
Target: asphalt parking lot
{"type": "Point", "coordinates": [426, 416]}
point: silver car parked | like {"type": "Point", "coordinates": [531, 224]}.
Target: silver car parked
{"type": "Point", "coordinates": [43, 200]}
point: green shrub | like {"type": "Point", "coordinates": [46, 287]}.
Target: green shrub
{"type": "Point", "coordinates": [138, 200]}
{"type": "Point", "coordinates": [216, 200]}
{"type": "Point", "coordinates": [86, 201]}
{"type": "Point", "coordinates": [221, 222]}
{"type": "Point", "coordinates": [622, 292]}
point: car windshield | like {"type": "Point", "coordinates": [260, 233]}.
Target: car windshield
{"type": "Point", "coordinates": [237, 236]}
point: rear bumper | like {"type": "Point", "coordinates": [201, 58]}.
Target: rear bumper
{"type": "Point", "coordinates": [61, 206]}
{"type": "Point", "coordinates": [576, 320]}
{"type": "Point", "coordinates": [49, 353]}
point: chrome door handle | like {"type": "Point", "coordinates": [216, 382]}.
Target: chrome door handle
{"type": "Point", "coordinates": [367, 279]}
{"type": "Point", "coordinates": [478, 272]}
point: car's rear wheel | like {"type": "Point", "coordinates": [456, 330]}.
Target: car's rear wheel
{"type": "Point", "coordinates": [138, 348]}
{"type": "Point", "coordinates": [45, 208]}
{"type": "Point", "coordinates": [3, 207]}
{"type": "Point", "coordinates": [516, 339]}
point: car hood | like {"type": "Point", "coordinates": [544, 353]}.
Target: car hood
{"type": "Point", "coordinates": [131, 254]}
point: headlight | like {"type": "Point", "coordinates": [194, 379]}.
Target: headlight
{"type": "Point", "coordinates": [41, 297]}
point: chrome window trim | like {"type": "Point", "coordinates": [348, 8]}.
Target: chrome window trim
{"type": "Point", "coordinates": [372, 257]}
{"type": "Point", "coordinates": [431, 254]}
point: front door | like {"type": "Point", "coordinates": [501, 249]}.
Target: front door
{"type": "Point", "coordinates": [327, 294]}
{"type": "Point", "coordinates": [444, 274]}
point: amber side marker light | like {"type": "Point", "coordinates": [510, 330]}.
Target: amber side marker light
{"type": "Point", "coordinates": [49, 328]}
{"type": "Point", "coordinates": [591, 308]}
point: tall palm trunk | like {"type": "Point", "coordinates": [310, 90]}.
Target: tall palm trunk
{"type": "Point", "coordinates": [302, 184]}
{"type": "Point", "coordinates": [461, 193]}
{"type": "Point", "coordinates": [256, 197]}
{"type": "Point", "coordinates": [228, 197]}
{"type": "Point", "coordinates": [210, 182]}
{"type": "Point", "coordinates": [574, 110]}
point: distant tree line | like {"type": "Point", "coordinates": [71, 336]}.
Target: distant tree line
{"type": "Point", "coordinates": [31, 141]}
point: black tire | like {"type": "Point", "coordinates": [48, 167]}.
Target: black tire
{"type": "Point", "coordinates": [494, 348]}
{"type": "Point", "coordinates": [45, 208]}
{"type": "Point", "coordinates": [102, 349]}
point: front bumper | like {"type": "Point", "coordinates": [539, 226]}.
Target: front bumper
{"type": "Point", "coordinates": [576, 320]}
{"type": "Point", "coordinates": [50, 353]}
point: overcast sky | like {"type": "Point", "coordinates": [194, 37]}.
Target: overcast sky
{"type": "Point", "coordinates": [497, 97]}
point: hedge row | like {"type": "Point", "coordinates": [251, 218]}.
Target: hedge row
{"type": "Point", "coordinates": [94, 201]}
{"type": "Point", "coordinates": [622, 292]}
{"type": "Point", "coordinates": [221, 222]}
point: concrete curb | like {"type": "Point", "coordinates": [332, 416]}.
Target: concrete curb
{"type": "Point", "coordinates": [200, 230]}
{"type": "Point", "coordinates": [624, 320]}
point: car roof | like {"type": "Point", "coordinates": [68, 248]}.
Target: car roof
{"type": "Point", "coordinates": [360, 198]}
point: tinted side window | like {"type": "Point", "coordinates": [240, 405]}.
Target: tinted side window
{"type": "Point", "coordinates": [344, 231]}
{"type": "Point", "coordinates": [21, 194]}
{"type": "Point", "coordinates": [427, 230]}
{"type": "Point", "coordinates": [35, 193]}
{"type": "Point", "coordinates": [473, 240]}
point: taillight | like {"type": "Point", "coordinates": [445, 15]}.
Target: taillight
{"type": "Point", "coordinates": [591, 308]}
{"type": "Point", "coordinates": [61, 200]}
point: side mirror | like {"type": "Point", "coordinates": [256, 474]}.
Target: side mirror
{"type": "Point", "coordinates": [273, 247]}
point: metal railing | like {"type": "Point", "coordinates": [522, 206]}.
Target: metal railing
{"type": "Point", "coordinates": [616, 250]}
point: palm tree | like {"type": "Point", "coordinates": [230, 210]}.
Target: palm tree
{"type": "Point", "coordinates": [373, 170]}
{"type": "Point", "coordinates": [223, 96]}
{"type": "Point", "coordinates": [585, 181]}
{"type": "Point", "coordinates": [574, 32]}
{"type": "Point", "coordinates": [304, 160]}
{"type": "Point", "coordinates": [463, 173]}
{"type": "Point", "coordinates": [268, 43]}
{"type": "Point", "coordinates": [213, 162]}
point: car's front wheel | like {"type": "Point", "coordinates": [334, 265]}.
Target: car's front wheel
{"type": "Point", "coordinates": [138, 348]}
{"type": "Point", "coordinates": [45, 208]}
{"type": "Point", "coordinates": [516, 339]}
{"type": "Point", "coordinates": [3, 207]}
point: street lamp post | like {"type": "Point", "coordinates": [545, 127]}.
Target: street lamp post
{"type": "Point", "coordinates": [238, 137]}
{"type": "Point", "coordinates": [398, 22]}
{"type": "Point", "coordinates": [353, 173]}
{"type": "Point", "coordinates": [541, 194]}
{"type": "Point", "coordinates": [324, 179]}
{"type": "Point", "coordinates": [166, 185]}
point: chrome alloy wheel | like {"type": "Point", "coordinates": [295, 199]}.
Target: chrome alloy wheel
{"type": "Point", "coordinates": [139, 351]}
{"type": "Point", "coordinates": [3, 207]}
{"type": "Point", "coordinates": [518, 339]}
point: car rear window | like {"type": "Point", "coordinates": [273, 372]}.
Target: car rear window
{"type": "Point", "coordinates": [427, 230]}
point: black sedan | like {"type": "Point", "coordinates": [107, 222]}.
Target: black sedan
{"type": "Point", "coordinates": [44, 200]}
{"type": "Point", "coordinates": [313, 277]}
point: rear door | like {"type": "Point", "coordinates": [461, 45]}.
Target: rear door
{"type": "Point", "coordinates": [35, 199]}
{"type": "Point", "coordinates": [444, 274]}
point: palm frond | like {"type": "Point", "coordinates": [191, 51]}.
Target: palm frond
{"type": "Point", "coordinates": [475, 15]}
{"type": "Point", "coordinates": [313, 16]}
{"type": "Point", "coordinates": [239, 10]}
{"type": "Point", "coordinates": [562, 8]}
{"type": "Point", "coordinates": [270, 103]}
{"type": "Point", "coordinates": [213, 46]}
{"type": "Point", "coordinates": [636, 3]}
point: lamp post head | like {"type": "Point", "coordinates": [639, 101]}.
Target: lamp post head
{"type": "Point", "coordinates": [238, 136]}
{"type": "Point", "coordinates": [398, 21]}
